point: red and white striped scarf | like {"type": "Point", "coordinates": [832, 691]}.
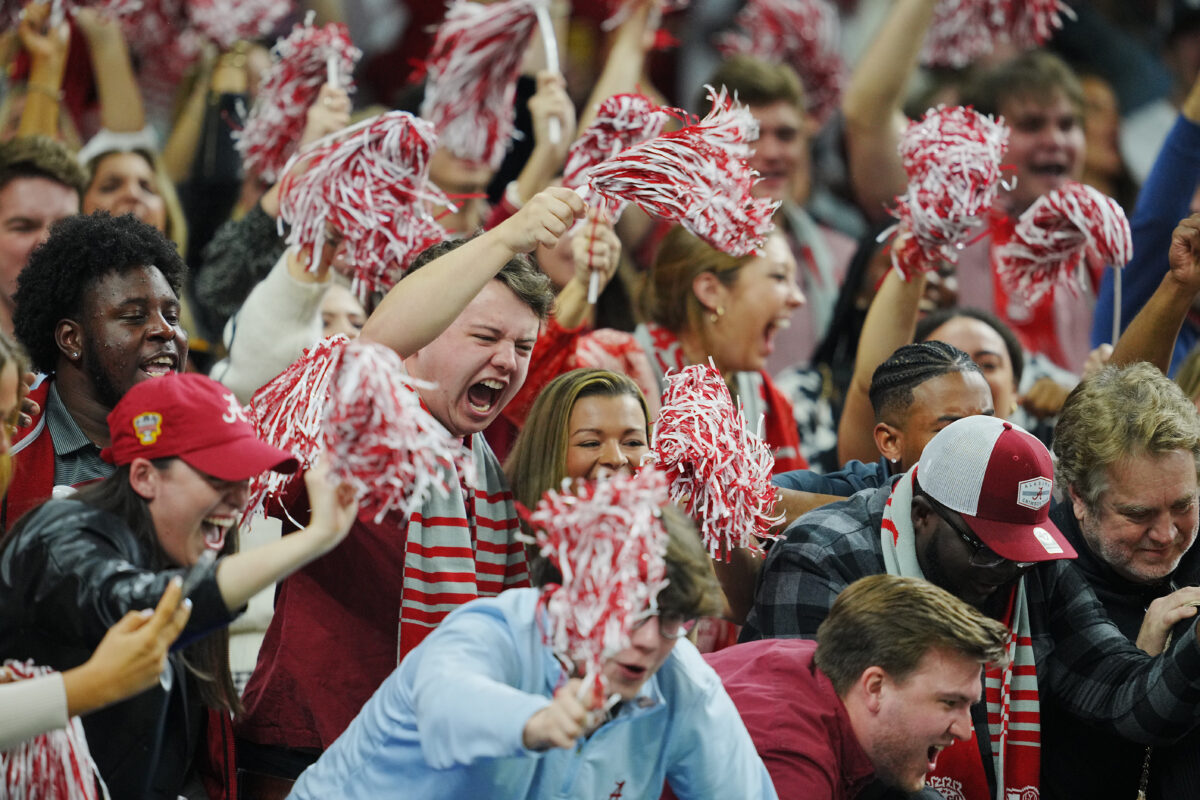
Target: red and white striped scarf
{"type": "Point", "coordinates": [1013, 709]}
{"type": "Point", "coordinates": [460, 547]}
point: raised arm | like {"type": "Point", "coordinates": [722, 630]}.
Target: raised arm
{"type": "Point", "coordinates": [121, 109]}
{"type": "Point", "coordinates": [626, 60]}
{"type": "Point", "coordinates": [891, 322]}
{"type": "Point", "coordinates": [47, 48]}
{"type": "Point", "coordinates": [1152, 333]}
{"type": "Point", "coordinates": [427, 300]}
{"type": "Point", "coordinates": [550, 102]}
{"type": "Point", "coordinates": [872, 106]}
{"type": "Point", "coordinates": [334, 508]}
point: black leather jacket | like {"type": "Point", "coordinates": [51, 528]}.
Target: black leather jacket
{"type": "Point", "coordinates": [68, 573]}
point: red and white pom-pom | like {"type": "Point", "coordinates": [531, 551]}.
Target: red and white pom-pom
{"type": "Point", "coordinates": [1056, 233]}
{"type": "Point", "coordinates": [472, 74]}
{"type": "Point", "coordinates": [621, 121]}
{"type": "Point", "coordinates": [698, 176]}
{"type": "Point", "coordinates": [355, 402]}
{"type": "Point", "coordinates": [802, 33]}
{"type": "Point", "coordinates": [720, 472]}
{"type": "Point", "coordinates": [53, 766]}
{"type": "Point", "coordinates": [962, 31]}
{"type": "Point", "coordinates": [607, 539]}
{"type": "Point", "coordinates": [224, 22]}
{"type": "Point", "coordinates": [952, 157]}
{"type": "Point", "coordinates": [383, 442]}
{"type": "Point", "coordinates": [288, 412]}
{"type": "Point", "coordinates": [280, 111]}
{"type": "Point", "coordinates": [372, 185]}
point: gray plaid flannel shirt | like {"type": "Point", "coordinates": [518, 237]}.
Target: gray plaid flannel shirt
{"type": "Point", "coordinates": [1083, 660]}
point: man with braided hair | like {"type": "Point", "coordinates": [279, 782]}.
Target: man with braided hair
{"type": "Point", "coordinates": [915, 393]}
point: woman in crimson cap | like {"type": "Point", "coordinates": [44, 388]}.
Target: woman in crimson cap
{"type": "Point", "coordinates": [185, 454]}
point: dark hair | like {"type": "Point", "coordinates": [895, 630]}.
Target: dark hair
{"type": "Point", "coordinates": [893, 382]}
{"type": "Point", "coordinates": [1016, 353]}
{"type": "Point", "coordinates": [40, 157]}
{"type": "Point", "coordinates": [520, 275]}
{"type": "Point", "coordinates": [208, 658]}
{"type": "Point", "coordinates": [64, 269]}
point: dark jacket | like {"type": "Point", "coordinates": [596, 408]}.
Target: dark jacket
{"type": "Point", "coordinates": [1081, 761]}
{"type": "Point", "coordinates": [67, 573]}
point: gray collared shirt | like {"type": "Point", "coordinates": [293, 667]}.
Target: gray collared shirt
{"type": "Point", "coordinates": [76, 457]}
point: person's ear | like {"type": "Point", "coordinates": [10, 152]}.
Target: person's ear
{"type": "Point", "coordinates": [923, 515]}
{"type": "Point", "coordinates": [872, 683]}
{"type": "Point", "coordinates": [711, 293]}
{"type": "Point", "coordinates": [144, 479]}
{"type": "Point", "coordinates": [890, 441]}
{"type": "Point", "coordinates": [68, 337]}
{"type": "Point", "coordinates": [1078, 506]}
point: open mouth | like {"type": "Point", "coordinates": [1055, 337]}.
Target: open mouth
{"type": "Point", "coordinates": [773, 327]}
{"type": "Point", "coordinates": [160, 365]}
{"type": "Point", "coordinates": [484, 395]}
{"type": "Point", "coordinates": [1049, 170]}
{"type": "Point", "coordinates": [215, 528]}
{"type": "Point", "coordinates": [931, 756]}
{"type": "Point", "coordinates": [631, 672]}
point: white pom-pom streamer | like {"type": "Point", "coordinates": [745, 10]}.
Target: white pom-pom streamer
{"type": "Point", "coordinates": [962, 31]}
{"type": "Point", "coordinates": [371, 183]}
{"type": "Point", "coordinates": [802, 33]}
{"type": "Point", "coordinates": [292, 84]}
{"type": "Point", "coordinates": [952, 157]}
{"type": "Point", "coordinates": [53, 766]}
{"type": "Point", "coordinates": [472, 74]}
{"type": "Point", "coordinates": [607, 539]}
{"type": "Point", "coordinates": [1056, 233]}
{"type": "Point", "coordinates": [720, 472]}
{"type": "Point", "coordinates": [698, 176]}
{"type": "Point", "coordinates": [356, 402]}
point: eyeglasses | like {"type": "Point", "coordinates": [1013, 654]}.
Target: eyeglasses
{"type": "Point", "coordinates": [982, 556]}
{"type": "Point", "coordinates": [670, 626]}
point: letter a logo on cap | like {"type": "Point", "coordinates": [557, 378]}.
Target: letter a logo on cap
{"type": "Point", "coordinates": [1034, 493]}
{"type": "Point", "coordinates": [147, 427]}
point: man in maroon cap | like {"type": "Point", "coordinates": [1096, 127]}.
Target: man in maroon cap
{"type": "Point", "coordinates": [973, 518]}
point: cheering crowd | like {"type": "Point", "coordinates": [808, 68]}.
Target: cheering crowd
{"type": "Point", "coordinates": [512, 432]}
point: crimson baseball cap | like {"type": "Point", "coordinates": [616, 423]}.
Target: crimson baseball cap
{"type": "Point", "coordinates": [999, 477]}
{"type": "Point", "coordinates": [194, 418]}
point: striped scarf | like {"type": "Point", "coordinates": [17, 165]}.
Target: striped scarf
{"type": "Point", "coordinates": [1014, 718]}
{"type": "Point", "coordinates": [460, 547]}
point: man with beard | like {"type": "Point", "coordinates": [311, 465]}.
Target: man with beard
{"type": "Point", "coordinates": [1128, 447]}
{"type": "Point", "coordinates": [97, 309]}
{"type": "Point", "coordinates": [465, 319]}
{"type": "Point", "coordinates": [887, 685]}
{"type": "Point", "coordinates": [973, 518]}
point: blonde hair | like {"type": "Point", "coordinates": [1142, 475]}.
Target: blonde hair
{"type": "Point", "coordinates": [892, 622]}
{"type": "Point", "coordinates": [668, 297]}
{"type": "Point", "coordinates": [1119, 412]}
{"type": "Point", "coordinates": [11, 353]}
{"type": "Point", "coordinates": [176, 223]}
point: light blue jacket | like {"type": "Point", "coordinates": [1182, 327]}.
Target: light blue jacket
{"type": "Point", "coordinates": [448, 723]}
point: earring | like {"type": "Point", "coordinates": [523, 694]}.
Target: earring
{"type": "Point", "coordinates": [716, 315]}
